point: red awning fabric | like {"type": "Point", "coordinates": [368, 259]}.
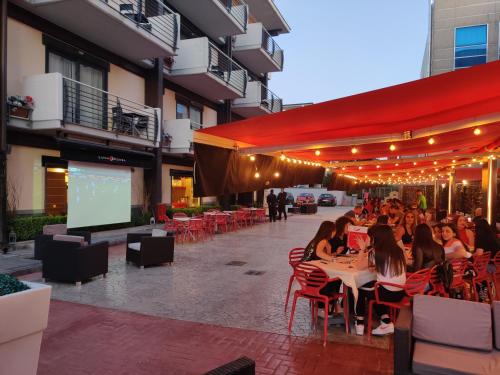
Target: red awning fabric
{"type": "Point", "coordinates": [461, 95]}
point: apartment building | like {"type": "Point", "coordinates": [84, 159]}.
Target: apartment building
{"type": "Point", "coordinates": [462, 33]}
{"type": "Point", "coordinates": [126, 82]}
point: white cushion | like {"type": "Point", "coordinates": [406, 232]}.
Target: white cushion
{"type": "Point", "coordinates": [65, 237]}
{"type": "Point", "coordinates": [54, 229]}
{"type": "Point", "coordinates": [135, 246]}
{"type": "Point", "coordinates": [159, 233]}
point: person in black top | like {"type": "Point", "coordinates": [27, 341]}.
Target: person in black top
{"type": "Point", "coordinates": [281, 203]}
{"type": "Point", "coordinates": [272, 201]}
{"type": "Point", "coordinates": [339, 241]}
{"type": "Point", "coordinates": [485, 238]}
{"type": "Point", "coordinates": [425, 251]}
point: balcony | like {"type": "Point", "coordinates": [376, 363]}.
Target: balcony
{"type": "Point", "coordinates": [62, 104]}
{"type": "Point", "coordinates": [134, 29]}
{"type": "Point", "coordinates": [267, 12]}
{"type": "Point", "coordinates": [204, 69]}
{"type": "Point", "coordinates": [258, 51]}
{"type": "Point", "coordinates": [217, 18]}
{"type": "Point", "coordinates": [180, 133]}
{"type": "Point", "coordinates": [258, 101]}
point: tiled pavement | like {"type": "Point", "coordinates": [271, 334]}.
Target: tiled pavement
{"type": "Point", "coordinates": [201, 288]}
{"type": "Point", "coordinates": [83, 339]}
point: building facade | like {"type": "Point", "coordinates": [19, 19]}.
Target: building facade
{"type": "Point", "coordinates": [462, 33]}
{"type": "Point", "coordinates": [127, 83]}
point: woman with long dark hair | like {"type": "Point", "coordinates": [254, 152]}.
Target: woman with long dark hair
{"type": "Point", "coordinates": [406, 230]}
{"type": "Point", "coordinates": [454, 248]}
{"type": "Point", "coordinates": [339, 241]}
{"type": "Point", "coordinates": [463, 233]}
{"type": "Point", "coordinates": [485, 238]}
{"type": "Point", "coordinates": [425, 251]}
{"type": "Point", "coordinates": [389, 263]}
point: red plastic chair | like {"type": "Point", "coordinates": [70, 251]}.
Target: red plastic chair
{"type": "Point", "coordinates": [169, 225]}
{"type": "Point", "coordinates": [415, 284]}
{"type": "Point", "coordinates": [241, 218]}
{"type": "Point", "coordinates": [480, 265]}
{"type": "Point", "coordinates": [260, 215]}
{"type": "Point", "coordinates": [312, 279]}
{"type": "Point", "coordinates": [179, 214]}
{"type": "Point", "coordinates": [161, 213]}
{"type": "Point", "coordinates": [496, 276]}
{"type": "Point", "coordinates": [221, 221]}
{"type": "Point", "coordinates": [294, 257]}
{"type": "Point", "coordinates": [459, 267]}
{"type": "Point", "coordinates": [436, 284]}
{"type": "Point", "coordinates": [195, 229]}
{"type": "Point", "coordinates": [209, 225]}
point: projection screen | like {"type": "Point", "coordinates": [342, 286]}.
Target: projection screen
{"type": "Point", "coordinates": [98, 194]}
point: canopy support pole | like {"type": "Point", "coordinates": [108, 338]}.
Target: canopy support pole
{"type": "Point", "coordinates": [489, 188]}
{"type": "Point", "coordinates": [451, 193]}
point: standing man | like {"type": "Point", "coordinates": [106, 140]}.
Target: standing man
{"type": "Point", "coordinates": [272, 201]}
{"type": "Point", "coordinates": [421, 201]}
{"type": "Point", "coordinates": [281, 203]}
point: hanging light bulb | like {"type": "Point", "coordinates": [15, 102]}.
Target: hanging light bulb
{"type": "Point", "coordinates": [276, 174]}
{"type": "Point", "coordinates": [392, 147]}
{"type": "Point", "coordinates": [288, 160]}
{"type": "Point", "coordinates": [282, 157]}
{"type": "Point", "coordinates": [435, 162]}
{"type": "Point", "coordinates": [257, 175]}
{"type": "Point", "coordinates": [343, 168]}
{"type": "Point", "coordinates": [431, 141]}
{"type": "Point", "coordinates": [477, 131]}
{"type": "Point", "coordinates": [414, 163]}
{"type": "Point", "coordinates": [294, 161]}
{"type": "Point", "coordinates": [378, 166]}
{"type": "Point", "coordinates": [354, 150]}
{"type": "Point", "coordinates": [317, 152]}
{"type": "Point", "coordinates": [360, 167]}
{"type": "Point", "coordinates": [252, 157]}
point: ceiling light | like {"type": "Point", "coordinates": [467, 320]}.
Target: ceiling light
{"type": "Point", "coordinates": [252, 157]}
{"type": "Point", "coordinates": [435, 162]}
{"type": "Point", "coordinates": [431, 141]}
{"type": "Point", "coordinates": [317, 152]}
{"type": "Point", "coordinates": [276, 174]}
{"type": "Point", "coordinates": [392, 147]}
{"type": "Point", "coordinates": [414, 163]}
{"type": "Point", "coordinates": [282, 157]}
{"type": "Point", "coordinates": [256, 175]}
{"type": "Point", "coordinates": [354, 150]}
{"type": "Point", "coordinates": [477, 131]}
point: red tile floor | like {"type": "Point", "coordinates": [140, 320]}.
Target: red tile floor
{"type": "Point", "coordinates": [83, 339]}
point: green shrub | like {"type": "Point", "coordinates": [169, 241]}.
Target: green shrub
{"type": "Point", "coordinates": [9, 285]}
{"type": "Point", "coordinates": [191, 211]}
{"type": "Point", "coordinates": [27, 227]}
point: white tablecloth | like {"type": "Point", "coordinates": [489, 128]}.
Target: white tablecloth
{"type": "Point", "coordinates": [344, 268]}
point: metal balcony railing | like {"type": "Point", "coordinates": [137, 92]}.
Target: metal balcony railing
{"type": "Point", "coordinates": [150, 15]}
{"type": "Point", "coordinates": [94, 108]}
{"type": "Point", "coordinates": [238, 9]}
{"type": "Point", "coordinates": [228, 70]}
{"type": "Point", "coordinates": [195, 126]}
{"type": "Point", "coordinates": [272, 48]}
{"type": "Point", "coordinates": [269, 100]}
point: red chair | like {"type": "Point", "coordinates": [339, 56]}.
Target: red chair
{"type": "Point", "coordinates": [459, 267]}
{"type": "Point", "coordinates": [415, 284]}
{"type": "Point", "coordinates": [241, 218]}
{"type": "Point", "coordinates": [312, 279]}
{"type": "Point", "coordinates": [209, 225]}
{"type": "Point", "coordinates": [480, 265]}
{"type": "Point", "coordinates": [179, 214]}
{"type": "Point", "coordinates": [260, 215]}
{"type": "Point", "coordinates": [496, 275]}
{"type": "Point", "coordinates": [436, 283]}
{"type": "Point", "coordinates": [221, 221]}
{"type": "Point", "coordinates": [161, 213]}
{"type": "Point", "coordinates": [169, 225]}
{"type": "Point", "coordinates": [294, 257]}
{"type": "Point", "coordinates": [195, 229]}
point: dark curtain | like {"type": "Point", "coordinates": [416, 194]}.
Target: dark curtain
{"type": "Point", "coordinates": [220, 171]}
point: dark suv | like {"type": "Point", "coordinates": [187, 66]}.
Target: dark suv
{"type": "Point", "coordinates": [327, 200]}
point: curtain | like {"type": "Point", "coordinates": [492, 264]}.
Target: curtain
{"type": "Point", "coordinates": [92, 111]}
{"type": "Point", "coordinates": [68, 68]}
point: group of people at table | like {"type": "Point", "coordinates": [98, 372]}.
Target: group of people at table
{"type": "Point", "coordinates": [400, 241]}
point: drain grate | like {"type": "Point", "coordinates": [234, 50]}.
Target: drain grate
{"type": "Point", "coordinates": [236, 263]}
{"type": "Point", "coordinates": [255, 273]}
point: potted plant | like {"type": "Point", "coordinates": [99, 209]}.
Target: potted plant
{"type": "Point", "coordinates": [24, 310]}
{"type": "Point", "coordinates": [20, 106]}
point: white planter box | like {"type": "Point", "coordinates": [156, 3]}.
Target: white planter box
{"type": "Point", "coordinates": [23, 317]}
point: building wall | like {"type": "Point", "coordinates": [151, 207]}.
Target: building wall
{"type": "Point", "coordinates": [26, 175]}
{"type": "Point", "coordinates": [169, 105]}
{"type": "Point", "coordinates": [126, 84]}
{"type": "Point", "coordinates": [449, 14]}
{"type": "Point", "coordinates": [209, 117]}
{"type": "Point", "coordinates": [26, 54]}
{"type": "Point", "coordinates": [166, 194]}
{"type": "Point", "coordinates": [137, 186]}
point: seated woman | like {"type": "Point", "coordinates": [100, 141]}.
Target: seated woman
{"type": "Point", "coordinates": [319, 248]}
{"type": "Point", "coordinates": [382, 219]}
{"type": "Point", "coordinates": [485, 238]}
{"type": "Point", "coordinates": [465, 235]}
{"type": "Point", "coordinates": [453, 247]}
{"type": "Point", "coordinates": [436, 233]}
{"type": "Point", "coordinates": [430, 217]}
{"type": "Point", "coordinates": [389, 263]}
{"type": "Point", "coordinates": [425, 251]}
{"type": "Point", "coordinates": [339, 241]}
{"type": "Point", "coordinates": [406, 230]}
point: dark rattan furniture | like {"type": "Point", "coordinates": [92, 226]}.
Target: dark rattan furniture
{"type": "Point", "coordinates": [152, 250]}
{"type": "Point", "coordinates": [42, 240]}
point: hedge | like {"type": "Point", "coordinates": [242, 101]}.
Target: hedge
{"type": "Point", "coordinates": [191, 211]}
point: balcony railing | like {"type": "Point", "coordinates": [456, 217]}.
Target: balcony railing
{"type": "Point", "coordinates": [226, 69]}
{"type": "Point", "coordinates": [269, 100]}
{"type": "Point", "coordinates": [195, 126]}
{"type": "Point", "coordinates": [272, 48]}
{"type": "Point", "coordinates": [237, 9]}
{"type": "Point", "coordinates": [152, 16]}
{"type": "Point", "coordinates": [94, 108]}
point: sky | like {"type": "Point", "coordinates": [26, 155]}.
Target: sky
{"type": "Point", "coordinates": [343, 47]}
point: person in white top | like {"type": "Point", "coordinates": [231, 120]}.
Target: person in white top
{"type": "Point", "coordinates": [388, 260]}
{"type": "Point", "coordinates": [453, 246]}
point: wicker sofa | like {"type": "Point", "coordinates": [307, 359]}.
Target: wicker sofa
{"type": "Point", "coordinates": [447, 336]}
{"type": "Point", "coordinates": [144, 249]}
{"type": "Point", "coordinates": [48, 233]}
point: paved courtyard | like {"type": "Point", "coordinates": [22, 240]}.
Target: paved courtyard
{"type": "Point", "coordinates": [200, 290]}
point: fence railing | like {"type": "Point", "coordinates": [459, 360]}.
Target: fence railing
{"type": "Point", "coordinates": [150, 15]}
{"type": "Point", "coordinates": [94, 108]}
{"type": "Point", "coordinates": [272, 48]}
{"type": "Point", "coordinates": [238, 9]}
{"type": "Point", "coordinates": [269, 100]}
{"type": "Point", "coordinates": [225, 68]}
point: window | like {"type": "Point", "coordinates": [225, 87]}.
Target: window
{"type": "Point", "coordinates": [471, 45]}
{"type": "Point", "coordinates": [182, 192]}
{"type": "Point", "coordinates": [185, 109]}
{"type": "Point", "coordinates": [182, 111]}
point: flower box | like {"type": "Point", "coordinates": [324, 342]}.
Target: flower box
{"type": "Point", "coordinates": [23, 317]}
{"type": "Point", "coordinates": [19, 112]}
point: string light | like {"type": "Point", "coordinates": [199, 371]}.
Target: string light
{"type": "Point", "coordinates": [378, 166]}
{"type": "Point", "coordinates": [294, 161]}
{"type": "Point", "coordinates": [257, 175]}
{"type": "Point", "coordinates": [414, 163]}
{"type": "Point", "coordinates": [477, 131]}
{"type": "Point", "coordinates": [397, 164]}
{"type": "Point", "coordinates": [252, 157]}
{"type": "Point", "coordinates": [431, 141]}
{"type": "Point", "coordinates": [464, 182]}
{"type": "Point", "coordinates": [360, 167]}
{"type": "Point", "coordinates": [317, 152]}
{"type": "Point", "coordinates": [354, 150]}
{"type": "Point", "coordinates": [276, 174]}
{"type": "Point", "coordinates": [282, 157]}
{"type": "Point", "coordinates": [288, 160]}
{"type": "Point", "coordinates": [435, 162]}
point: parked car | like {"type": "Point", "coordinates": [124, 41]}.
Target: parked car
{"type": "Point", "coordinates": [290, 199]}
{"type": "Point", "coordinates": [327, 200]}
{"type": "Point", "coordinates": [305, 198]}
